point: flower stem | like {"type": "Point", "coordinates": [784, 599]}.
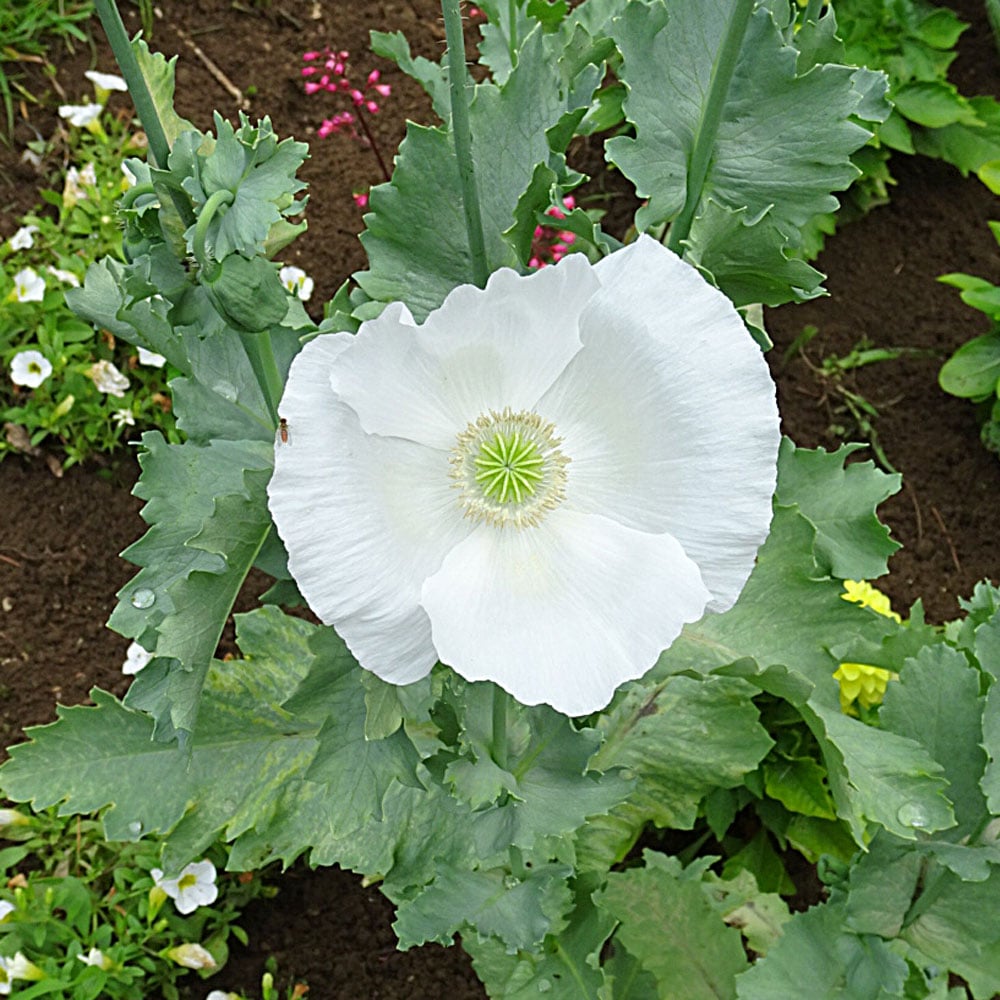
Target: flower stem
{"type": "Point", "coordinates": [111, 21]}
{"type": "Point", "coordinates": [159, 146]}
{"type": "Point", "coordinates": [216, 200]}
{"type": "Point", "coordinates": [704, 143]}
{"type": "Point", "coordinates": [373, 145]}
{"type": "Point", "coordinates": [260, 351]}
{"type": "Point", "coordinates": [500, 727]}
{"type": "Point", "coordinates": [462, 134]}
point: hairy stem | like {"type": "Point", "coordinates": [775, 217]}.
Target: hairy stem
{"type": "Point", "coordinates": [704, 143]}
{"type": "Point", "coordinates": [462, 133]}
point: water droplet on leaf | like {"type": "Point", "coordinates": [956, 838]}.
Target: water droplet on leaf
{"type": "Point", "coordinates": [226, 390]}
{"type": "Point", "coordinates": [913, 814]}
{"type": "Point", "coordinates": [143, 598]}
{"type": "Point", "coordinates": [544, 986]}
{"type": "Point", "coordinates": [135, 828]}
{"type": "Point", "coordinates": [511, 882]}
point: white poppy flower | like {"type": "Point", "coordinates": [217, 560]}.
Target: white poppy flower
{"type": "Point", "coordinates": [24, 238]}
{"type": "Point", "coordinates": [106, 81]}
{"type": "Point", "coordinates": [6, 909]}
{"type": "Point", "coordinates": [67, 276]}
{"type": "Point", "coordinates": [80, 115]}
{"type": "Point", "coordinates": [297, 281]}
{"type": "Point", "coordinates": [540, 485]}
{"type": "Point", "coordinates": [30, 368]}
{"type": "Point", "coordinates": [191, 956]}
{"type": "Point", "coordinates": [151, 358]}
{"type": "Point", "coordinates": [29, 285]}
{"type": "Point", "coordinates": [108, 379]}
{"type": "Point", "coordinates": [136, 656]}
{"type": "Point", "coordinates": [194, 887]}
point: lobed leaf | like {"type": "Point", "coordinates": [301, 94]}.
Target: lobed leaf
{"type": "Point", "coordinates": [668, 924]}
{"type": "Point", "coordinates": [207, 511]}
{"type": "Point", "coordinates": [416, 237]}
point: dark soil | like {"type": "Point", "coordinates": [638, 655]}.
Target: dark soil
{"type": "Point", "coordinates": [59, 538]}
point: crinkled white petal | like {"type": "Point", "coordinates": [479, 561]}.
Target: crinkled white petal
{"type": "Point", "coordinates": [562, 613]}
{"type": "Point", "coordinates": [365, 519]}
{"type": "Point", "coordinates": [668, 415]}
{"type": "Point", "coordinates": [484, 349]}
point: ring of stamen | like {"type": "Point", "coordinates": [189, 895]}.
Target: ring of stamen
{"type": "Point", "coordinates": [508, 468]}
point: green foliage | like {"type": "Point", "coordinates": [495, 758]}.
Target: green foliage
{"type": "Point", "coordinates": [73, 409]}
{"type": "Point", "coordinates": [678, 113]}
{"type": "Point", "coordinates": [763, 185]}
{"type": "Point", "coordinates": [27, 28]}
{"type": "Point", "coordinates": [973, 371]}
{"type": "Point", "coordinates": [914, 43]}
{"type": "Point", "coordinates": [701, 956]}
{"type": "Point", "coordinates": [513, 825]}
{"type": "Point", "coordinates": [85, 912]}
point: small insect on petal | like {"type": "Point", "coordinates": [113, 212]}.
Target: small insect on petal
{"type": "Point", "coordinates": [283, 431]}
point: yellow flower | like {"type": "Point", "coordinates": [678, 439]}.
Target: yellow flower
{"type": "Point", "coordinates": [863, 593]}
{"type": "Point", "coordinates": [862, 683]}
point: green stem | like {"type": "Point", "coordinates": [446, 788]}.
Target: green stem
{"type": "Point", "coordinates": [500, 727]}
{"type": "Point", "coordinates": [462, 133]}
{"type": "Point", "coordinates": [216, 200]}
{"type": "Point", "coordinates": [813, 9]}
{"type": "Point", "coordinates": [260, 351]}
{"type": "Point", "coordinates": [704, 143]}
{"type": "Point", "coordinates": [111, 21]}
{"type": "Point", "coordinates": [159, 146]}
{"type": "Point", "coordinates": [134, 193]}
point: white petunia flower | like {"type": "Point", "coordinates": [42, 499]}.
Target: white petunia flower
{"type": "Point", "coordinates": [540, 485]}
{"type": "Point", "coordinates": [194, 887]}
{"type": "Point", "coordinates": [98, 959]}
{"type": "Point", "coordinates": [80, 115]}
{"type": "Point", "coordinates": [151, 358]}
{"type": "Point", "coordinates": [106, 81]}
{"type": "Point", "coordinates": [29, 285]}
{"type": "Point", "coordinates": [24, 238]}
{"type": "Point", "coordinates": [67, 276]}
{"type": "Point", "coordinates": [297, 281]}
{"type": "Point", "coordinates": [76, 184]}
{"type": "Point", "coordinates": [191, 956]}
{"type": "Point", "coordinates": [136, 656]}
{"type": "Point", "coordinates": [30, 368]}
{"type": "Point", "coordinates": [17, 967]}
{"type": "Point", "coordinates": [108, 379]}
